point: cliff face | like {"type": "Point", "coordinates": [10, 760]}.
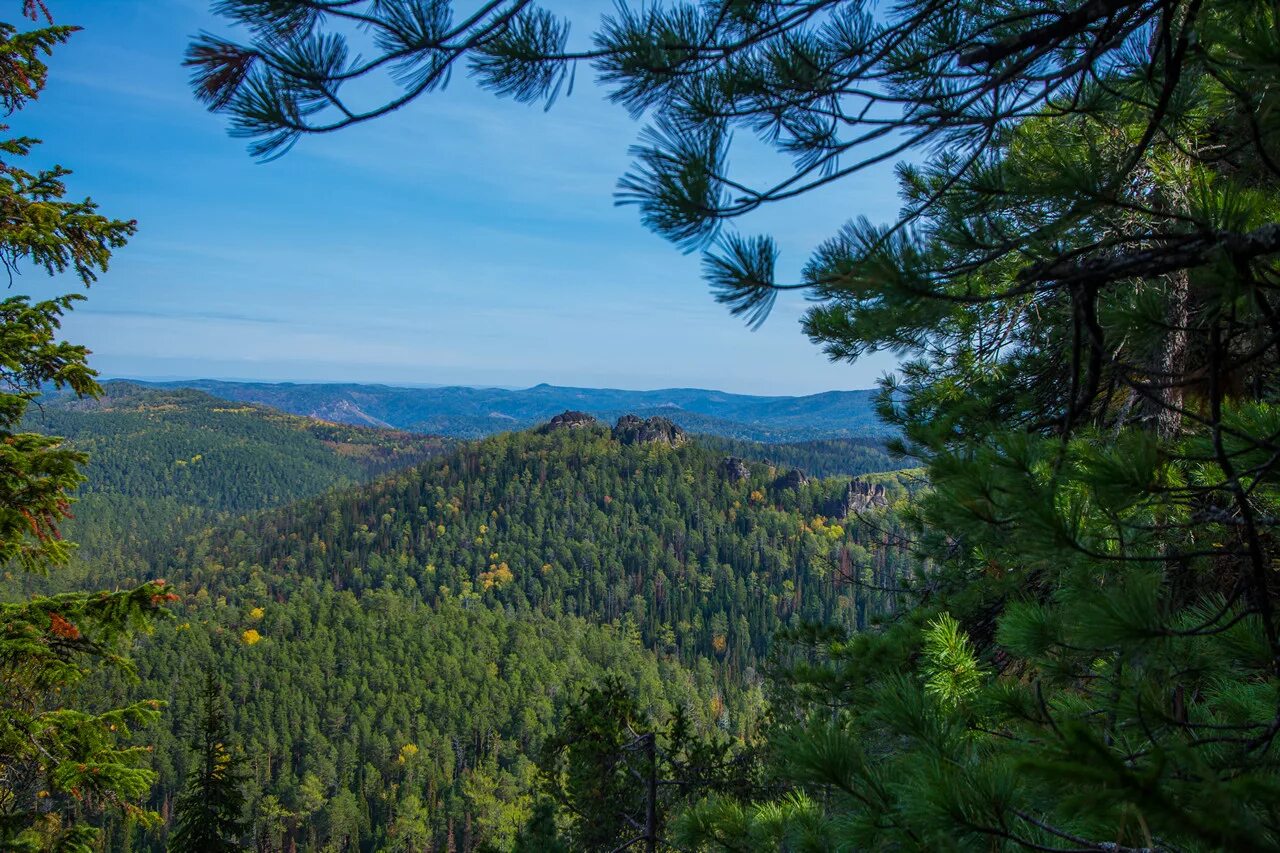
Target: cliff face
{"type": "Point", "coordinates": [857, 497]}
{"type": "Point", "coordinates": [633, 430]}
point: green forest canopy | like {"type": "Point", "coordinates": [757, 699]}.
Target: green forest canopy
{"type": "Point", "coordinates": [1082, 285]}
{"type": "Point", "coordinates": [410, 644]}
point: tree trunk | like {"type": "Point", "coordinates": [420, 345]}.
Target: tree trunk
{"type": "Point", "coordinates": [1169, 368]}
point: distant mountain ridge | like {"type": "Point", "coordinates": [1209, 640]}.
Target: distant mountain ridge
{"type": "Point", "coordinates": [468, 412]}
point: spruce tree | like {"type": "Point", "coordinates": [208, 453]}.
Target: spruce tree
{"type": "Point", "coordinates": [209, 815]}
{"type": "Point", "coordinates": [1084, 289]}
{"type": "Point", "coordinates": [62, 765]}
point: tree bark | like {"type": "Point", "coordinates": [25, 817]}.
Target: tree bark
{"type": "Point", "coordinates": [1169, 367]}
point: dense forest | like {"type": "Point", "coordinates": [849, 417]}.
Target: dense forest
{"type": "Point", "coordinates": [396, 654]}
{"type": "Point", "coordinates": [822, 457]}
{"type": "Point", "coordinates": [201, 451]}
{"type": "Point", "coordinates": [575, 521]}
{"type": "Point", "coordinates": [1081, 285]}
{"type": "Point", "coordinates": [1058, 631]}
{"type": "Point", "coordinates": [165, 463]}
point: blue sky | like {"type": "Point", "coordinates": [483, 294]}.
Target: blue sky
{"type": "Point", "coordinates": [463, 240]}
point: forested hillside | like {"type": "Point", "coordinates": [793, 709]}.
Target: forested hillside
{"type": "Point", "coordinates": [703, 559]}
{"type": "Point", "coordinates": [1061, 632]}
{"type": "Point", "coordinates": [167, 462]}
{"type": "Point", "coordinates": [196, 450]}
{"type": "Point", "coordinates": [395, 654]}
{"type": "Point", "coordinates": [825, 457]}
{"type": "Point", "coordinates": [376, 720]}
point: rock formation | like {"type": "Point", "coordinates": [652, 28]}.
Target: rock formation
{"type": "Point", "coordinates": [735, 469]}
{"type": "Point", "coordinates": [793, 479]}
{"type": "Point", "coordinates": [570, 420]}
{"type": "Point", "coordinates": [633, 430]}
{"type": "Point", "coordinates": [857, 497]}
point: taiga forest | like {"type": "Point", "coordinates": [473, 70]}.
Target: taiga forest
{"type": "Point", "coordinates": [1022, 595]}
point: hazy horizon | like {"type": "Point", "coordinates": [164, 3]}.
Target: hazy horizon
{"type": "Point", "coordinates": [437, 385]}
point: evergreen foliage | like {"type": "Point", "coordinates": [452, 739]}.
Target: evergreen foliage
{"type": "Point", "coordinates": [376, 709]}
{"type": "Point", "coordinates": [197, 451]}
{"type": "Point", "coordinates": [617, 774]}
{"type": "Point", "coordinates": [63, 763]}
{"type": "Point", "coordinates": [576, 522]}
{"type": "Point", "coordinates": [1083, 285]}
{"type": "Point", "coordinates": [385, 719]}
{"type": "Point", "coordinates": [209, 816]}
{"type": "Point", "coordinates": [165, 464]}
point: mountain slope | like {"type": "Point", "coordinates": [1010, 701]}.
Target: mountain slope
{"type": "Point", "coordinates": [396, 653]}
{"type": "Point", "coordinates": [474, 412]}
{"type": "Point", "coordinates": [166, 462]}
{"type": "Point", "coordinates": [573, 521]}
{"type": "Point", "coordinates": [187, 446]}
{"type": "Point", "coordinates": [457, 608]}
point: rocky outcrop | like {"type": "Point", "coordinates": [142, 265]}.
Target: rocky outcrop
{"type": "Point", "coordinates": [856, 498]}
{"type": "Point", "coordinates": [570, 420]}
{"type": "Point", "coordinates": [735, 470]}
{"type": "Point", "coordinates": [793, 479]}
{"type": "Point", "coordinates": [633, 430]}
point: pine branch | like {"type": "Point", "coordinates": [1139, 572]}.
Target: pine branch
{"type": "Point", "coordinates": [1169, 256]}
{"type": "Point", "coordinates": [1067, 25]}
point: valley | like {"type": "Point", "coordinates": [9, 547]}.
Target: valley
{"type": "Point", "coordinates": [1022, 596]}
{"type": "Point", "coordinates": [401, 621]}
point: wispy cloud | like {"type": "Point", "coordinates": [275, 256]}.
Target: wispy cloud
{"type": "Point", "coordinates": [154, 314]}
{"type": "Point", "coordinates": [462, 239]}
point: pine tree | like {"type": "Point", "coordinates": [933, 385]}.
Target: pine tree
{"type": "Point", "coordinates": [617, 775]}
{"type": "Point", "coordinates": [539, 834]}
{"type": "Point", "coordinates": [209, 816]}
{"type": "Point", "coordinates": [1083, 285]}
{"type": "Point", "coordinates": [61, 765]}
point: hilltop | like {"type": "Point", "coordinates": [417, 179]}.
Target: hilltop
{"type": "Point", "coordinates": [405, 645]}
{"type": "Point", "coordinates": [187, 446]}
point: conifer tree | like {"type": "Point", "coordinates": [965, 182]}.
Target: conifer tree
{"type": "Point", "coordinates": [61, 765]}
{"type": "Point", "coordinates": [209, 816]}
{"type": "Point", "coordinates": [1083, 286]}
{"type": "Point", "coordinates": [618, 775]}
